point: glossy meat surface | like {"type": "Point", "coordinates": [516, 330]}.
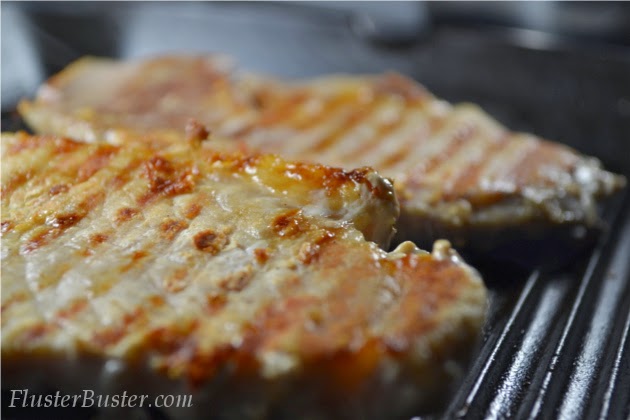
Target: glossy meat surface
{"type": "Point", "coordinates": [245, 281]}
{"type": "Point", "coordinates": [458, 173]}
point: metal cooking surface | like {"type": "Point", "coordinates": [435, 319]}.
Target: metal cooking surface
{"type": "Point", "coordinates": [556, 344]}
{"type": "Point", "coordinates": [561, 349]}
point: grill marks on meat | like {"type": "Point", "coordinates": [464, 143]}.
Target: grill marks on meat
{"type": "Point", "coordinates": [135, 268]}
{"type": "Point", "coordinates": [437, 153]}
{"type": "Point", "coordinates": [164, 103]}
{"type": "Point", "coordinates": [456, 170]}
{"type": "Point", "coordinates": [458, 173]}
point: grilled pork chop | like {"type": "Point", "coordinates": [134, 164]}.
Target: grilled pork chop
{"type": "Point", "coordinates": [458, 173]}
{"type": "Point", "coordinates": [245, 281]}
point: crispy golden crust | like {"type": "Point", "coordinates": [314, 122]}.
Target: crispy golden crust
{"type": "Point", "coordinates": [456, 170]}
{"type": "Point", "coordinates": [195, 268]}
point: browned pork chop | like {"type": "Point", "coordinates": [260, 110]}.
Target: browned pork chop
{"type": "Point", "coordinates": [246, 281]}
{"type": "Point", "coordinates": [458, 173]}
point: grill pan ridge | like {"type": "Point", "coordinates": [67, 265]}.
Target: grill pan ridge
{"type": "Point", "coordinates": [557, 342]}
{"type": "Point", "coordinates": [562, 352]}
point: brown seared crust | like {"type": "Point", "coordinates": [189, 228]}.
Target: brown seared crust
{"type": "Point", "coordinates": [147, 257]}
{"type": "Point", "coordinates": [72, 165]}
{"type": "Point", "coordinates": [455, 169]}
